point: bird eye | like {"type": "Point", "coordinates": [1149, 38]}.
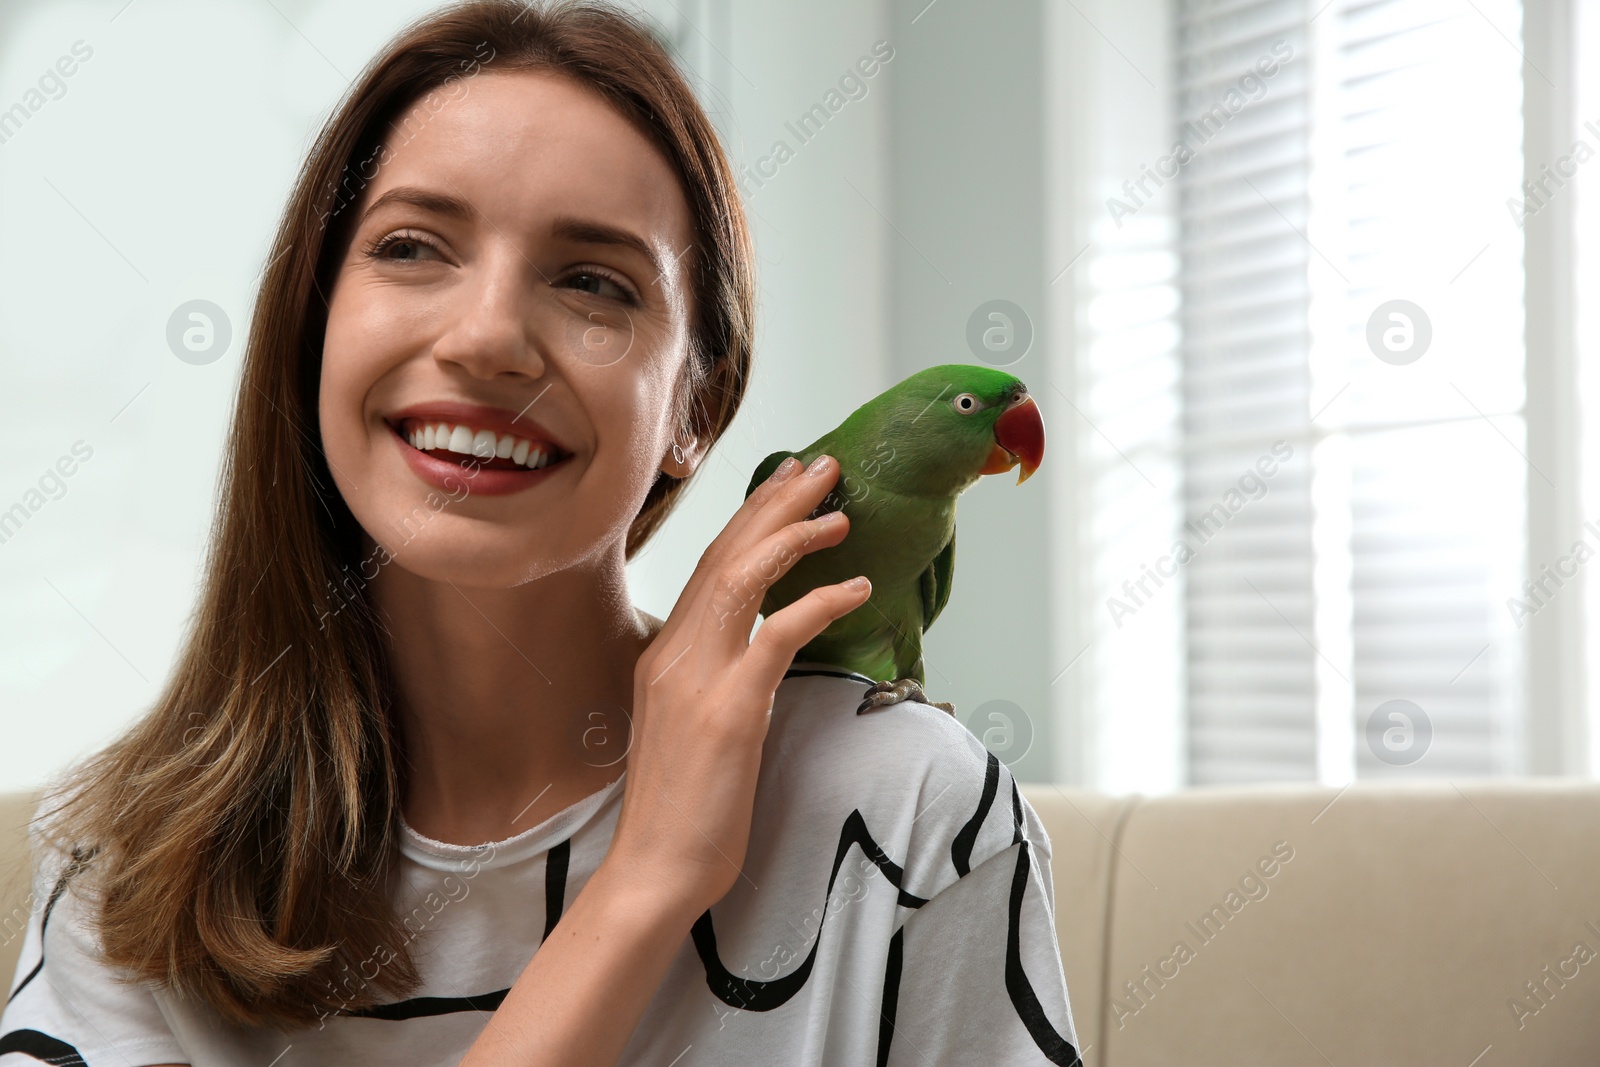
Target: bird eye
{"type": "Point", "coordinates": [966, 403]}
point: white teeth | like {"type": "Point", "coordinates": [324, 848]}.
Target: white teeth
{"type": "Point", "coordinates": [485, 444]}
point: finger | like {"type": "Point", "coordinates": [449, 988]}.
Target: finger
{"type": "Point", "coordinates": [691, 601]}
{"type": "Point", "coordinates": [742, 585]}
{"type": "Point", "coordinates": [773, 505]}
{"type": "Point", "coordinates": [774, 502]}
{"type": "Point", "coordinates": [785, 632]}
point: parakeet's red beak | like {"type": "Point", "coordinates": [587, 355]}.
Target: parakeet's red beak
{"type": "Point", "coordinates": [1019, 437]}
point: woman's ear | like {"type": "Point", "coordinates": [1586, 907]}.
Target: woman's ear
{"type": "Point", "coordinates": [686, 448]}
{"type": "Point", "coordinates": [684, 455]}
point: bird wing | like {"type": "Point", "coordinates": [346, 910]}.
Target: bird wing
{"type": "Point", "coordinates": [936, 581]}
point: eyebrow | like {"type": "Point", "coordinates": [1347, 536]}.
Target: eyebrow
{"type": "Point", "coordinates": [565, 227]}
{"type": "Point", "coordinates": [589, 232]}
{"type": "Point", "coordinates": [438, 203]}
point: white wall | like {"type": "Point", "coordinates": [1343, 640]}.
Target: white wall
{"type": "Point", "coordinates": [967, 207]}
{"type": "Point", "coordinates": [156, 178]}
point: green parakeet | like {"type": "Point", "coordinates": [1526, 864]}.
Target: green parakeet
{"type": "Point", "coordinates": [904, 457]}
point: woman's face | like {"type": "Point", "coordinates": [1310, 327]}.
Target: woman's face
{"type": "Point", "coordinates": [534, 302]}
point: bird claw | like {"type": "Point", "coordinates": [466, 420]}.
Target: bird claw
{"type": "Point", "coordinates": [885, 694]}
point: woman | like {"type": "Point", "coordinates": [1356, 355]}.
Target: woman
{"type": "Point", "coordinates": [419, 731]}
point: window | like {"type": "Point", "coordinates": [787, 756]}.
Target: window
{"type": "Point", "coordinates": [1305, 480]}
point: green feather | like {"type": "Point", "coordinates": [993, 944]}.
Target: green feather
{"type": "Point", "coordinates": [936, 582]}
{"type": "Point", "coordinates": [904, 458]}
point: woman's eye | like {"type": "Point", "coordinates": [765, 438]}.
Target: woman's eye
{"type": "Point", "coordinates": [408, 242]}
{"type": "Point", "coordinates": [592, 282]}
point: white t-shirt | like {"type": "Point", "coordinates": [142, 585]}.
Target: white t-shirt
{"type": "Point", "coordinates": [896, 908]}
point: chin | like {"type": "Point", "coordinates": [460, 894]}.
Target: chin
{"type": "Point", "coordinates": [492, 567]}
{"type": "Point", "coordinates": [469, 554]}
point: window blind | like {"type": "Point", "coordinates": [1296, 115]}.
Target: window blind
{"type": "Point", "coordinates": [1356, 521]}
{"type": "Point", "coordinates": [1246, 297]}
{"type": "Point", "coordinates": [1426, 99]}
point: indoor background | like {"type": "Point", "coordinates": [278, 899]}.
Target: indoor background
{"type": "Point", "coordinates": [1295, 285]}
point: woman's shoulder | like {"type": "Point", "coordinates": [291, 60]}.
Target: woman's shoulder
{"type": "Point", "coordinates": [816, 705]}
{"type": "Point", "coordinates": [919, 783]}
{"type": "Point", "coordinates": [67, 1005]}
{"type": "Point", "coordinates": [819, 701]}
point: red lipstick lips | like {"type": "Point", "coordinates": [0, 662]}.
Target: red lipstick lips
{"type": "Point", "coordinates": [463, 474]}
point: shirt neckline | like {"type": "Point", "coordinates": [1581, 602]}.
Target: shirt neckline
{"type": "Point", "coordinates": [445, 856]}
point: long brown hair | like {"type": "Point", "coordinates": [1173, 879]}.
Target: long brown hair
{"type": "Point", "coordinates": [243, 831]}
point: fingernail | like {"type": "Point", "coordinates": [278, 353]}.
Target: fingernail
{"type": "Point", "coordinates": [817, 464]}
{"type": "Point", "coordinates": [831, 516]}
{"type": "Point", "coordinates": [858, 582]}
{"type": "Point", "coordinates": [785, 469]}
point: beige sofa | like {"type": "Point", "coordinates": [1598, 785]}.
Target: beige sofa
{"type": "Point", "coordinates": [1420, 924]}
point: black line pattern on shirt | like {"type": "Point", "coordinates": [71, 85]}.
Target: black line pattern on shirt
{"type": "Point", "coordinates": [731, 989]}
{"type": "Point", "coordinates": [891, 994]}
{"type": "Point", "coordinates": [967, 836]}
{"type": "Point", "coordinates": [35, 1043]}
{"type": "Point", "coordinates": [1024, 1000]}
{"type": "Point", "coordinates": [426, 1007]}
{"type": "Point", "coordinates": [555, 885]}
{"type": "Point", "coordinates": [41, 1046]}
{"type": "Point", "coordinates": [80, 859]}
{"type": "Point", "coordinates": [758, 995]}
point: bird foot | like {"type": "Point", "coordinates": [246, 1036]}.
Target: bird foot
{"type": "Point", "coordinates": [884, 694]}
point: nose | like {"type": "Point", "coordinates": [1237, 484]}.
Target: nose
{"type": "Point", "coordinates": [494, 321]}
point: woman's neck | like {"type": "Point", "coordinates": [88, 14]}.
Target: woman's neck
{"type": "Point", "coordinates": [514, 703]}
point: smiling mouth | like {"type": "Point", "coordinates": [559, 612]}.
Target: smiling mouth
{"type": "Point", "coordinates": [480, 449]}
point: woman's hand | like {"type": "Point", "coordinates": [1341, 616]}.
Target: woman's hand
{"type": "Point", "coordinates": [703, 693]}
